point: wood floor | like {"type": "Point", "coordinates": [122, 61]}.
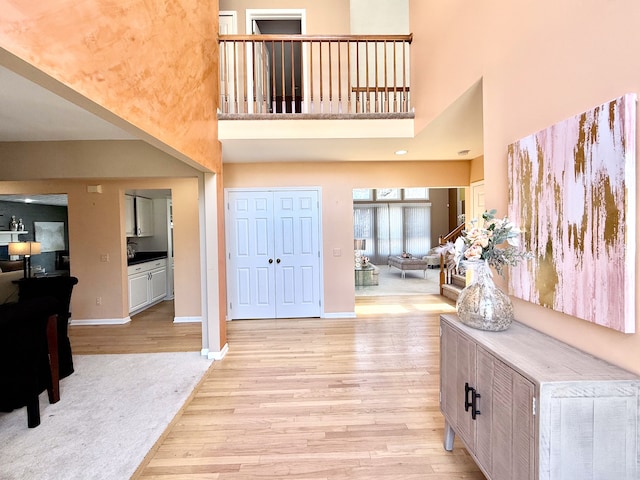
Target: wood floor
{"type": "Point", "coordinates": [353, 398]}
{"type": "Point", "coordinates": [151, 331]}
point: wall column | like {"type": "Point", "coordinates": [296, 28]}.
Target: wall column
{"type": "Point", "coordinates": [211, 336]}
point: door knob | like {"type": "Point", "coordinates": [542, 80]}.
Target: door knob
{"type": "Point", "coordinates": [271, 260]}
{"type": "Point", "coordinates": [278, 260]}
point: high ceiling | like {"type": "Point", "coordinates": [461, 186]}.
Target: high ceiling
{"type": "Point", "coordinates": [29, 112]}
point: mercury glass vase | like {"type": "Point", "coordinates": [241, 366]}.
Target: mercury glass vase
{"type": "Point", "coordinates": [481, 304]}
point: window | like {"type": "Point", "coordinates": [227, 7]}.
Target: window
{"type": "Point", "coordinates": [393, 228]}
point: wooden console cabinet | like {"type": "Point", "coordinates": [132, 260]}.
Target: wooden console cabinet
{"type": "Point", "coordinates": [528, 406]}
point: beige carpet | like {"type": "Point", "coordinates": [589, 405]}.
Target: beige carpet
{"type": "Point", "coordinates": [391, 283]}
{"type": "Point", "coordinates": [111, 412]}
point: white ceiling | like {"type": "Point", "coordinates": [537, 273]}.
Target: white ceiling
{"type": "Point", "coordinates": [29, 112]}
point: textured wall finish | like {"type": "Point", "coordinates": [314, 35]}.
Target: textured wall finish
{"type": "Point", "coordinates": [572, 188]}
{"type": "Point", "coordinates": [152, 63]}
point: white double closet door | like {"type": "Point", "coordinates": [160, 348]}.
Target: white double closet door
{"type": "Point", "coordinates": [273, 259]}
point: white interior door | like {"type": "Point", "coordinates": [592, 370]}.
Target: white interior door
{"type": "Point", "coordinates": [273, 242]}
{"type": "Point", "coordinates": [251, 263]}
{"type": "Point", "coordinates": [297, 254]}
{"type": "Point", "coordinates": [477, 202]}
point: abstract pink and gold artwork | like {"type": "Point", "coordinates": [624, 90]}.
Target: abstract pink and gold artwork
{"type": "Point", "coordinates": [572, 189]}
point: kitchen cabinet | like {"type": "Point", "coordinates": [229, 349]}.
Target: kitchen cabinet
{"type": "Point", "coordinates": [147, 284]}
{"type": "Point", "coordinates": [144, 217]}
{"type": "Point", "coordinates": [129, 216]}
{"type": "Point", "coordinates": [527, 406]}
{"type": "Point", "coordinates": [138, 216]}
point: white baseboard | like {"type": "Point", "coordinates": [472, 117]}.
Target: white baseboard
{"type": "Point", "coordinates": [339, 315]}
{"type": "Point", "coordinates": [218, 355]}
{"type": "Point", "coordinates": [101, 321]}
{"type": "Point", "coordinates": [187, 319]}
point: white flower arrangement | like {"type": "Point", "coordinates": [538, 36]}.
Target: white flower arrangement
{"type": "Point", "coordinates": [486, 243]}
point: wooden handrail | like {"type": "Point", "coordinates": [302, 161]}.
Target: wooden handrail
{"type": "Point", "coordinates": [315, 38]}
{"type": "Point", "coordinates": [449, 237]}
{"type": "Point", "coordinates": [452, 235]}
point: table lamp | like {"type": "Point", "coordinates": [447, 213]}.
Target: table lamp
{"type": "Point", "coordinates": [26, 249]}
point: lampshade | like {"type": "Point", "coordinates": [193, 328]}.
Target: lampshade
{"type": "Point", "coordinates": [359, 244]}
{"type": "Point", "coordinates": [24, 248]}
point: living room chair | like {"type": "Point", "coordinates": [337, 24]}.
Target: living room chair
{"type": "Point", "coordinates": [61, 288]}
{"type": "Point", "coordinates": [28, 356]}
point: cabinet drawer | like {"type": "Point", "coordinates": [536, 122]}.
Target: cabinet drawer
{"type": "Point", "coordinates": [146, 266]}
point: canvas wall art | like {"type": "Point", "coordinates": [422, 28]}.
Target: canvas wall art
{"type": "Point", "coordinates": [50, 235]}
{"type": "Point", "coordinates": [572, 188]}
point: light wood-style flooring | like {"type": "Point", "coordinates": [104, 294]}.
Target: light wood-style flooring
{"type": "Point", "coordinates": [350, 398]}
{"type": "Point", "coordinates": [151, 331]}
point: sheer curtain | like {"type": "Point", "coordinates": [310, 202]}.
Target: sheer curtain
{"type": "Point", "coordinates": [393, 228]}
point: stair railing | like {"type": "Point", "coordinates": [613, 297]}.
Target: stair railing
{"type": "Point", "coordinates": [445, 273]}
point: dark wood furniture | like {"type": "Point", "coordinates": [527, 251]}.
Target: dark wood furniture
{"type": "Point", "coordinates": [59, 287]}
{"type": "Point", "coordinates": [28, 356]}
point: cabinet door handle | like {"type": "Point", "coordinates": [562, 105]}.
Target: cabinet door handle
{"type": "Point", "coordinates": [271, 260]}
{"type": "Point", "coordinates": [474, 404]}
{"type": "Point", "coordinates": [278, 260]}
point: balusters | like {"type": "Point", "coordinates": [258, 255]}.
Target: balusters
{"type": "Point", "coordinates": [254, 79]}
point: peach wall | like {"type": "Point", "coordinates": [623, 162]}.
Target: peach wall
{"type": "Point", "coordinates": [542, 63]}
{"type": "Point", "coordinates": [337, 181]}
{"type": "Point", "coordinates": [87, 159]}
{"type": "Point", "coordinates": [96, 228]}
{"type": "Point", "coordinates": [326, 17]}
{"type": "Point", "coordinates": [146, 62]}
{"type": "Point", "coordinates": [477, 169]}
{"type": "Point", "coordinates": [446, 54]}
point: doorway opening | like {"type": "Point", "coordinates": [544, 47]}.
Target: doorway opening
{"type": "Point", "coordinates": [400, 222]}
{"type": "Point", "coordinates": [285, 63]}
{"type": "Point", "coordinates": [283, 86]}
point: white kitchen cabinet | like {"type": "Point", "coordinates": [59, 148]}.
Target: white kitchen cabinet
{"type": "Point", "coordinates": [129, 216]}
{"type": "Point", "coordinates": [158, 284]}
{"type": "Point", "coordinates": [144, 217]}
{"type": "Point", "coordinates": [138, 291]}
{"type": "Point", "coordinates": [138, 216]}
{"type": "Point", "coordinates": [147, 284]}
{"type": "Point", "coordinates": [528, 406]}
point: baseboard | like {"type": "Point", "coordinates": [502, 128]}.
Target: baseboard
{"type": "Point", "coordinates": [218, 355]}
{"type": "Point", "coordinates": [339, 315]}
{"type": "Point", "coordinates": [187, 319]}
{"type": "Point", "coordinates": [101, 321]}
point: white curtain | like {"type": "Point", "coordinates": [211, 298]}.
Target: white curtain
{"type": "Point", "coordinates": [393, 228]}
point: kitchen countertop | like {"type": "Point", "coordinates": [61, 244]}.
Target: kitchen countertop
{"type": "Point", "coordinates": [142, 257]}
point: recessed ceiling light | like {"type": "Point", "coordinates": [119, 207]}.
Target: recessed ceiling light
{"type": "Point", "coordinates": [28, 200]}
{"type": "Point", "coordinates": [401, 152]}
{"type": "Point", "coordinates": [462, 153]}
